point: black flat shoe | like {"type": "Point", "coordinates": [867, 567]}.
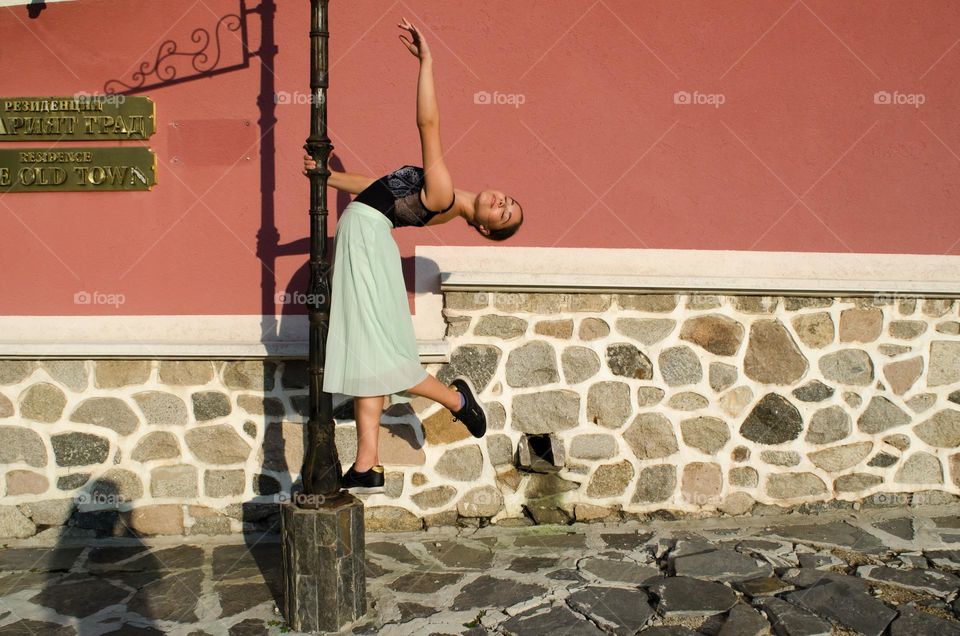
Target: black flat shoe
{"type": "Point", "coordinates": [369, 481]}
{"type": "Point", "coordinates": [473, 414]}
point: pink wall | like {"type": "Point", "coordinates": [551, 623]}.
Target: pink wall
{"type": "Point", "coordinates": [599, 153]}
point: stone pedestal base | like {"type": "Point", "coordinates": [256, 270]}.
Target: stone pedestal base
{"type": "Point", "coordinates": [323, 564]}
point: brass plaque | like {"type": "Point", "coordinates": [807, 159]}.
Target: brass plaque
{"type": "Point", "coordinates": [78, 118]}
{"type": "Point", "coordinates": [77, 169]}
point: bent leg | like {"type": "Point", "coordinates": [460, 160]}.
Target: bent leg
{"type": "Point", "coordinates": [367, 410]}
{"type": "Point", "coordinates": [437, 391]}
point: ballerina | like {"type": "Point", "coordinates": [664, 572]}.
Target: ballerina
{"type": "Point", "coordinates": [371, 350]}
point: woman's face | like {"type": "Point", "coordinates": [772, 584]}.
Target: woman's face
{"type": "Point", "coordinates": [496, 210]}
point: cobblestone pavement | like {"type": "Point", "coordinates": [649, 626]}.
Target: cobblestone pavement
{"type": "Point", "coordinates": [892, 571]}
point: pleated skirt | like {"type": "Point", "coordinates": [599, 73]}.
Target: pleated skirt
{"type": "Point", "coordinates": [371, 348]}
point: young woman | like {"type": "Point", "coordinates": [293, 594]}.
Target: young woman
{"type": "Point", "coordinates": [371, 349]}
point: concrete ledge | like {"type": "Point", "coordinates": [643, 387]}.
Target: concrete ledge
{"type": "Point", "coordinates": [493, 268]}
{"type": "Point", "coordinates": [736, 285]}
{"type": "Point", "coordinates": [430, 351]}
{"type": "Point", "coordinates": [442, 268]}
{"type": "Point", "coordinates": [168, 337]}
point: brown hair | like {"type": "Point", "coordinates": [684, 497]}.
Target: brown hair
{"type": "Point", "coordinates": [503, 234]}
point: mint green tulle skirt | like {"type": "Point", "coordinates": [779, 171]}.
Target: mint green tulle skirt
{"type": "Point", "coordinates": [371, 347]}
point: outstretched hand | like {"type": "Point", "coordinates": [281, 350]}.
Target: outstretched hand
{"type": "Point", "coordinates": [310, 164]}
{"type": "Point", "coordinates": [418, 47]}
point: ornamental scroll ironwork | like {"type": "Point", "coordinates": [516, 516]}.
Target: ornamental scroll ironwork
{"type": "Point", "coordinates": [167, 74]}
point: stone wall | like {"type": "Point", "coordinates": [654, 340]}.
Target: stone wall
{"type": "Point", "coordinates": [705, 403]}
{"type": "Point", "coordinates": [603, 406]}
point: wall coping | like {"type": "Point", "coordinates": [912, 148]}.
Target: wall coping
{"type": "Point", "coordinates": [739, 285]}
{"type": "Point", "coordinates": [442, 268]}
{"type": "Point", "coordinates": [168, 337]}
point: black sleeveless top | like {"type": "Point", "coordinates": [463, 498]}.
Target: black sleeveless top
{"type": "Point", "coordinates": [397, 195]}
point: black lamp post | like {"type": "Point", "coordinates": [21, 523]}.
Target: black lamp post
{"type": "Point", "coordinates": [320, 472]}
{"type": "Point", "coordinates": [322, 529]}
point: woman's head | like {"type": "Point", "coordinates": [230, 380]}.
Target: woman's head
{"type": "Point", "coordinates": [496, 216]}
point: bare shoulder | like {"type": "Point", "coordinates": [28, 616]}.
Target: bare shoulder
{"type": "Point", "coordinates": [462, 199]}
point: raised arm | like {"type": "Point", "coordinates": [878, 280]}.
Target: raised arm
{"type": "Point", "coordinates": [438, 184]}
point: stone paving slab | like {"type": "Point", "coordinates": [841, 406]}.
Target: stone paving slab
{"type": "Point", "coordinates": [875, 572]}
{"type": "Point", "coordinates": [848, 606]}
{"type": "Point", "coordinates": [743, 620]}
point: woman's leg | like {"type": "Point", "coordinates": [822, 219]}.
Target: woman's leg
{"type": "Point", "coordinates": [367, 410]}
{"type": "Point", "coordinates": [438, 392]}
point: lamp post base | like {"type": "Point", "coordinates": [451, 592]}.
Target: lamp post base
{"type": "Point", "coordinates": [323, 564]}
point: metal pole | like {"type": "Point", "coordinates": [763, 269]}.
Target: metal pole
{"type": "Point", "coordinates": [322, 530]}
{"type": "Point", "coordinates": [321, 465]}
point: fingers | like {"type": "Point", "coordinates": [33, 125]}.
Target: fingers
{"type": "Point", "coordinates": [410, 47]}
{"type": "Point", "coordinates": [414, 46]}
{"type": "Point", "coordinates": [409, 27]}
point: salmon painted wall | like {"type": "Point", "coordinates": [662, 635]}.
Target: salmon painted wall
{"type": "Point", "coordinates": [732, 125]}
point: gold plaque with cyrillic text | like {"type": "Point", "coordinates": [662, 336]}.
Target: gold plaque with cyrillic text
{"type": "Point", "coordinates": [77, 118]}
{"type": "Point", "coordinates": [59, 169]}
